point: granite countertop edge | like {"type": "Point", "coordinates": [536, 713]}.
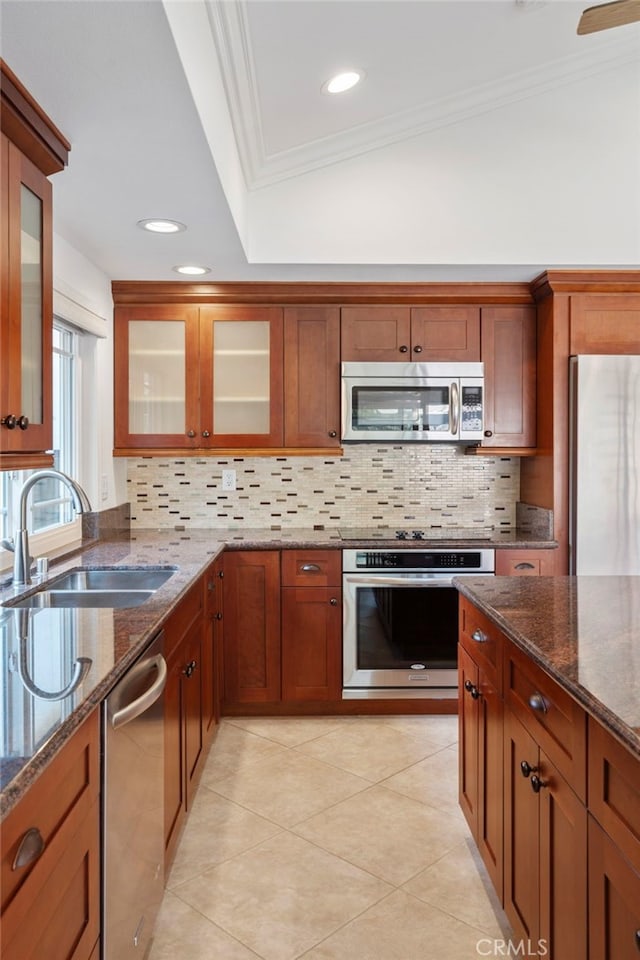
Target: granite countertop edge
{"type": "Point", "coordinates": [150, 547]}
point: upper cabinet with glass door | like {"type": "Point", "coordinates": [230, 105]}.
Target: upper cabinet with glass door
{"type": "Point", "coordinates": [190, 377]}
{"type": "Point", "coordinates": [31, 149]}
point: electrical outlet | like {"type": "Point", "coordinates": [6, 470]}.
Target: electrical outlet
{"type": "Point", "coordinates": [228, 479]}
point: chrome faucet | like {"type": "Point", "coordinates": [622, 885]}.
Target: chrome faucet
{"type": "Point", "coordinates": [20, 544]}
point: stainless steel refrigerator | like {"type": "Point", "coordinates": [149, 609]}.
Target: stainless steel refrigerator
{"type": "Point", "coordinates": [605, 465]}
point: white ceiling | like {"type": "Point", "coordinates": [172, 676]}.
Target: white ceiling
{"type": "Point", "coordinates": [487, 140]}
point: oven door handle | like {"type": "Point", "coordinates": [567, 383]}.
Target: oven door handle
{"type": "Point", "coordinates": [409, 580]}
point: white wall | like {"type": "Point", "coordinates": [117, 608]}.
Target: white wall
{"type": "Point", "coordinates": [552, 179]}
{"type": "Point", "coordinates": [81, 283]}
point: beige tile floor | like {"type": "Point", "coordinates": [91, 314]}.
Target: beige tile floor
{"type": "Point", "coordinates": [329, 839]}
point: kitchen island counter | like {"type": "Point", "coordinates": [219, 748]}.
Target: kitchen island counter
{"type": "Point", "coordinates": [583, 631]}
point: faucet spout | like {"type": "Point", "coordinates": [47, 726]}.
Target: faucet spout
{"type": "Point", "coordinates": [21, 555]}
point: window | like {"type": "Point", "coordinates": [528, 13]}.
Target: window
{"type": "Point", "coordinates": [50, 504]}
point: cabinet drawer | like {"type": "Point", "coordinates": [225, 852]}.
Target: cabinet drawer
{"type": "Point", "coordinates": [57, 912]}
{"type": "Point", "coordinates": [551, 716]}
{"type": "Point", "coordinates": [482, 639]}
{"type": "Point", "coordinates": [524, 563]}
{"type": "Point", "coordinates": [614, 787]}
{"type": "Point", "coordinates": [62, 794]}
{"type": "Point", "coordinates": [311, 568]}
{"type": "Point", "coordinates": [189, 608]}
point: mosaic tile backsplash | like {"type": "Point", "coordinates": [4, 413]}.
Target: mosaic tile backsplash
{"type": "Point", "coordinates": [368, 486]}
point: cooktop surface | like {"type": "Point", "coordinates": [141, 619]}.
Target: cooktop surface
{"type": "Point", "coordinates": [413, 534]}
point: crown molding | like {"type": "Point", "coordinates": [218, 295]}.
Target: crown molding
{"type": "Point", "coordinates": [230, 29]}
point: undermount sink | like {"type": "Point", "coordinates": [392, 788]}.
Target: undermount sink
{"type": "Point", "coordinates": [87, 598]}
{"type": "Point", "coordinates": [88, 587]}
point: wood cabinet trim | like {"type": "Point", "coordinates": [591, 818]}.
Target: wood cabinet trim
{"type": "Point", "coordinates": [25, 123]}
{"type": "Point", "coordinates": [169, 291]}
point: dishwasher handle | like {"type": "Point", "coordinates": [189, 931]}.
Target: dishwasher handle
{"type": "Point", "coordinates": [142, 703]}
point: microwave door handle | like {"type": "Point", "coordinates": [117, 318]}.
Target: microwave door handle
{"type": "Point", "coordinates": [454, 409]}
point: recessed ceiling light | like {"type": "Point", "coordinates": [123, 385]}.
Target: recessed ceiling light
{"type": "Point", "coordinates": [343, 81]}
{"type": "Point", "coordinates": [162, 226]}
{"type": "Point", "coordinates": [191, 270]}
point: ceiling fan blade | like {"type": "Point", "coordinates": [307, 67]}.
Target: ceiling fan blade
{"type": "Point", "coordinates": [606, 15]}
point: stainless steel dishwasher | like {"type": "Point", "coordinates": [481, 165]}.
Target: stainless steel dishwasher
{"type": "Point", "coordinates": [133, 806]}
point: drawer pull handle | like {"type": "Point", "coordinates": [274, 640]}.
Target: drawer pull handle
{"type": "Point", "coordinates": [537, 784]}
{"type": "Point", "coordinates": [538, 703]}
{"type": "Point", "coordinates": [479, 636]}
{"type": "Point", "coordinates": [526, 769]}
{"type": "Point", "coordinates": [638, 939]}
{"type": "Point", "coordinates": [525, 565]}
{"type": "Point", "coordinates": [310, 568]}
{"type": "Point", "coordinates": [31, 847]}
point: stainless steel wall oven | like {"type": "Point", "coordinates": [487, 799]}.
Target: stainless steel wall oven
{"type": "Point", "coordinates": [400, 620]}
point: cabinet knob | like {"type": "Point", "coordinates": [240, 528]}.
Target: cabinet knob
{"type": "Point", "coordinates": [191, 433]}
{"type": "Point", "coordinates": [526, 769]}
{"type": "Point", "coordinates": [404, 348]}
{"type": "Point", "coordinates": [538, 703]}
{"type": "Point", "coordinates": [190, 668]}
{"type": "Point", "coordinates": [479, 636]}
{"type": "Point", "coordinates": [31, 847]}
{"type": "Point", "coordinates": [537, 784]}
{"type": "Point", "coordinates": [638, 939]}
{"type": "Point", "coordinates": [472, 689]}
{"type": "Point", "coordinates": [221, 574]}
{"type": "Point", "coordinates": [9, 421]}
{"type": "Point", "coordinates": [333, 602]}
{"type": "Point", "coordinates": [23, 422]}
{"type": "Point", "coordinates": [205, 433]}
{"type": "Point", "coordinates": [218, 616]}
{"type": "Point", "coordinates": [333, 433]}
{"type": "Point", "coordinates": [417, 349]}
{"type": "Point", "coordinates": [488, 433]}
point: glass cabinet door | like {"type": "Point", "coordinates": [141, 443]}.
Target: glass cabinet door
{"type": "Point", "coordinates": [157, 377]}
{"type": "Point", "coordinates": [241, 370]}
{"type": "Point", "coordinates": [27, 325]}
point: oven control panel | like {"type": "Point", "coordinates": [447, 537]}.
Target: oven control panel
{"type": "Point", "coordinates": [443, 561]}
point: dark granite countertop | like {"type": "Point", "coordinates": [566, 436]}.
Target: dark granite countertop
{"type": "Point", "coordinates": [583, 631]}
{"type": "Point", "coordinates": [44, 644]}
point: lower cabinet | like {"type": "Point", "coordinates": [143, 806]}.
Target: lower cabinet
{"type": "Point", "coordinates": [51, 858]}
{"type": "Point", "coordinates": [211, 648]}
{"type": "Point", "coordinates": [311, 625]}
{"type": "Point", "coordinates": [480, 709]}
{"type": "Point", "coordinates": [183, 704]}
{"type": "Point", "coordinates": [526, 563]}
{"type": "Point", "coordinates": [545, 830]}
{"type": "Point", "coordinates": [282, 628]}
{"type": "Point", "coordinates": [614, 900]}
{"type": "Point", "coordinates": [251, 644]}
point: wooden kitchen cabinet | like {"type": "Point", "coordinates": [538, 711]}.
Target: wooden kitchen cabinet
{"type": "Point", "coordinates": [31, 149]}
{"type": "Point", "coordinates": [419, 334]}
{"type": "Point", "coordinates": [312, 376]}
{"type": "Point", "coordinates": [508, 351]}
{"type": "Point", "coordinates": [311, 625]}
{"type": "Point", "coordinates": [183, 712]}
{"type": "Point", "coordinates": [614, 848]}
{"type": "Point", "coordinates": [251, 645]}
{"type": "Point", "coordinates": [614, 900]}
{"type": "Point", "coordinates": [480, 710]}
{"type": "Point", "coordinates": [525, 563]}
{"type": "Point", "coordinates": [197, 377]}
{"type": "Point", "coordinates": [51, 905]}
{"type": "Point", "coordinates": [211, 648]}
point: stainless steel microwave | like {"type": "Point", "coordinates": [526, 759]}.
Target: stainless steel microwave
{"type": "Point", "coordinates": [412, 402]}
